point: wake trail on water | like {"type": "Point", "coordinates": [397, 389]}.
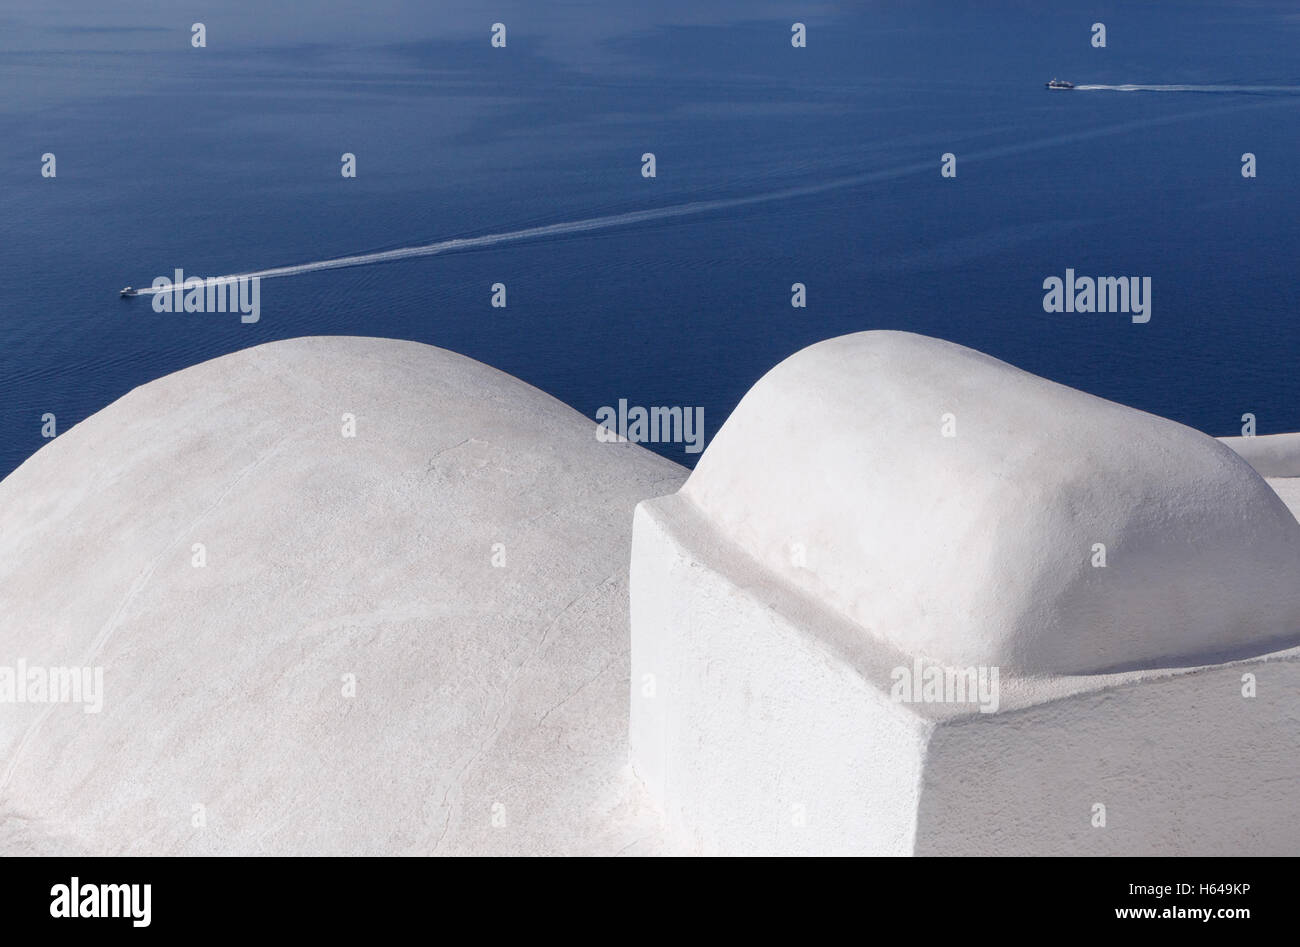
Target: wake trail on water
{"type": "Point", "coordinates": [695, 208]}
{"type": "Point", "coordinates": [1294, 90]}
{"type": "Point", "coordinates": [565, 228]}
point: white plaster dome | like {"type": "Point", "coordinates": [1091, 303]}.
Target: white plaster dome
{"type": "Point", "coordinates": [461, 561]}
{"type": "Point", "coordinates": [978, 548]}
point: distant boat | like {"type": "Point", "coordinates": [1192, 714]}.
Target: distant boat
{"type": "Point", "coordinates": [1060, 84]}
{"type": "Point", "coordinates": [127, 291]}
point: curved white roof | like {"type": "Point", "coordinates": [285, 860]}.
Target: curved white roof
{"type": "Point", "coordinates": [490, 706]}
{"type": "Point", "coordinates": [978, 548]}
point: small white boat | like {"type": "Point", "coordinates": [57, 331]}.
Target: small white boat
{"type": "Point", "coordinates": [127, 291]}
{"type": "Point", "coordinates": [1060, 84]}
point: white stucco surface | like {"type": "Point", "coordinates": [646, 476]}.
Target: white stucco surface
{"type": "Point", "coordinates": [976, 548]}
{"type": "Point", "coordinates": [772, 728]}
{"type": "Point", "coordinates": [831, 538]}
{"type": "Point", "coordinates": [480, 691]}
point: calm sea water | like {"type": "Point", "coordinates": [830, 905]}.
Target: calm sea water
{"type": "Point", "coordinates": [226, 159]}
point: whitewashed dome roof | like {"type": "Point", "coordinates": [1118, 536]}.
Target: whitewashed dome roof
{"type": "Point", "coordinates": [977, 549]}
{"type": "Point", "coordinates": [490, 707]}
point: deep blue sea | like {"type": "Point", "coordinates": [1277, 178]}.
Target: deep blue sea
{"type": "Point", "coordinates": [227, 159]}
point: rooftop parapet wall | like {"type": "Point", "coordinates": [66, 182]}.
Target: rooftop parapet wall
{"type": "Point", "coordinates": [1272, 455]}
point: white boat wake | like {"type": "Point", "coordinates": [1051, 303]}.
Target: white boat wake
{"type": "Point", "coordinates": [1188, 88]}
{"type": "Point", "coordinates": [559, 229]}
{"type": "Point", "coordinates": [694, 208]}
